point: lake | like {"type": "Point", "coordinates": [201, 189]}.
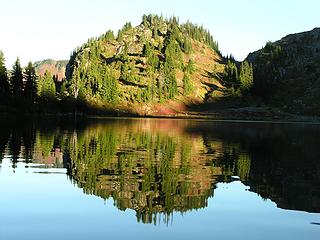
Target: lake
{"type": "Point", "coordinates": [159, 179]}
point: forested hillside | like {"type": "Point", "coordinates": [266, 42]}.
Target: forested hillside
{"type": "Point", "coordinates": [164, 67]}
{"type": "Point", "coordinates": [159, 61]}
{"type": "Point", "coordinates": [287, 72]}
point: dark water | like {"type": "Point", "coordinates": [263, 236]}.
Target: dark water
{"type": "Point", "coordinates": [159, 179]}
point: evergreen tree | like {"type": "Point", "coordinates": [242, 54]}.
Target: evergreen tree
{"type": "Point", "coordinates": [170, 81]}
{"type": "Point", "coordinates": [76, 85]}
{"type": "Point", "coordinates": [109, 90]}
{"type": "Point", "coordinates": [187, 85]}
{"type": "Point", "coordinates": [30, 89]}
{"type": "Point", "coordinates": [146, 49]}
{"type": "Point", "coordinates": [46, 87]}
{"type": "Point", "coordinates": [246, 77]}
{"type": "Point", "coordinates": [187, 46]}
{"type": "Point", "coordinates": [17, 79]}
{"type": "Point", "coordinates": [4, 82]}
{"type": "Point", "coordinates": [230, 73]}
{"type": "Point", "coordinates": [109, 36]}
{"type": "Point", "coordinates": [190, 67]}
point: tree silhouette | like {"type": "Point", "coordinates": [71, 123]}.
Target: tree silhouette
{"type": "Point", "coordinates": [4, 83]}
{"type": "Point", "coordinates": [17, 79]}
{"type": "Point", "coordinates": [30, 89]}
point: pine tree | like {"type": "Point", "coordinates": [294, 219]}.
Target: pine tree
{"type": "Point", "coordinates": [230, 73]}
{"type": "Point", "coordinates": [109, 36]}
{"type": "Point", "coordinates": [170, 81]}
{"type": "Point", "coordinates": [109, 88]}
{"type": "Point", "coordinates": [187, 84]}
{"type": "Point", "coordinates": [186, 46]}
{"type": "Point", "coordinates": [4, 82]}
{"type": "Point", "coordinates": [30, 89]}
{"type": "Point", "coordinates": [246, 77]}
{"type": "Point", "coordinates": [17, 79]}
{"type": "Point", "coordinates": [146, 49]}
{"type": "Point", "coordinates": [46, 87]}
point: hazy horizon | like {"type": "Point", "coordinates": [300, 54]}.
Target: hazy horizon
{"type": "Point", "coordinates": [36, 30]}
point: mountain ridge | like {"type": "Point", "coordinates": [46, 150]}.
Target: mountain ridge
{"type": "Point", "coordinates": [287, 72]}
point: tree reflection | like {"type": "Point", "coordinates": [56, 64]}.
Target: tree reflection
{"type": "Point", "coordinates": [157, 167]}
{"type": "Point", "coordinates": [150, 172]}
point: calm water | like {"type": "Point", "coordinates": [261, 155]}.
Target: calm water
{"type": "Point", "coordinates": [159, 179]}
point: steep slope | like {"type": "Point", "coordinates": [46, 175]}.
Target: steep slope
{"type": "Point", "coordinates": [155, 68]}
{"type": "Point", "coordinates": [57, 68]}
{"type": "Point", "coordinates": [287, 72]}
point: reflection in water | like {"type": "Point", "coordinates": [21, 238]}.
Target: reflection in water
{"type": "Point", "coordinates": [156, 167]}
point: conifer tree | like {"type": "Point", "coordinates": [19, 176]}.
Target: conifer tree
{"type": "Point", "coordinates": [187, 84]}
{"type": "Point", "coordinates": [46, 87]}
{"type": "Point", "coordinates": [4, 82]}
{"type": "Point", "coordinates": [186, 46]}
{"type": "Point", "coordinates": [246, 77]}
{"type": "Point", "coordinates": [230, 73]}
{"type": "Point", "coordinates": [30, 89]}
{"type": "Point", "coordinates": [17, 79]}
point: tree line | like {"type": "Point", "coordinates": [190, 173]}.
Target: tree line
{"type": "Point", "coordinates": [239, 76]}
{"type": "Point", "coordinates": [93, 74]}
{"type": "Point", "coordinates": [22, 87]}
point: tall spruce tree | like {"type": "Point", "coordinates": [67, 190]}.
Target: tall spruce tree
{"type": "Point", "coordinates": [246, 77]}
{"type": "Point", "coordinates": [4, 82]}
{"type": "Point", "coordinates": [230, 73]}
{"type": "Point", "coordinates": [16, 79]}
{"type": "Point", "coordinates": [46, 87]}
{"type": "Point", "coordinates": [30, 89]}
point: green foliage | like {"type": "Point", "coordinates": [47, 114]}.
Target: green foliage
{"type": "Point", "coordinates": [30, 88]}
{"type": "Point", "coordinates": [170, 86]}
{"type": "Point", "coordinates": [246, 77]}
{"type": "Point", "coordinates": [146, 49]}
{"type": "Point", "coordinates": [151, 74]}
{"type": "Point", "coordinates": [267, 71]}
{"type": "Point", "coordinates": [128, 71]}
{"type": "Point", "coordinates": [97, 155]}
{"type": "Point", "coordinates": [190, 68]}
{"type": "Point", "coordinates": [186, 46]}
{"type": "Point", "coordinates": [46, 87]}
{"type": "Point", "coordinates": [17, 79]}
{"type": "Point", "coordinates": [243, 164]}
{"type": "Point", "coordinates": [152, 57]}
{"type": "Point", "coordinates": [126, 27]}
{"type": "Point", "coordinates": [230, 73]}
{"type": "Point", "coordinates": [173, 53]}
{"type": "Point", "coordinates": [109, 36]}
{"type": "Point", "coordinates": [4, 81]}
{"type": "Point", "coordinates": [201, 34]}
{"type": "Point", "coordinates": [187, 84]}
{"type": "Point", "coordinates": [109, 90]}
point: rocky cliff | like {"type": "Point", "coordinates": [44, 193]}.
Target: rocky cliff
{"type": "Point", "coordinates": [56, 68]}
{"type": "Point", "coordinates": [287, 72]}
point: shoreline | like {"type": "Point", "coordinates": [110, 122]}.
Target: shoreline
{"type": "Point", "coordinates": [218, 116]}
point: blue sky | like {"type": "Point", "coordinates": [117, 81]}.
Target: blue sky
{"type": "Point", "coordinates": [38, 29]}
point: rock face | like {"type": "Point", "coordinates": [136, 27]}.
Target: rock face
{"type": "Point", "coordinates": [288, 72]}
{"type": "Point", "coordinates": [57, 68]}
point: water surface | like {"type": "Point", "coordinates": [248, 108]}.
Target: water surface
{"type": "Point", "coordinates": [159, 178]}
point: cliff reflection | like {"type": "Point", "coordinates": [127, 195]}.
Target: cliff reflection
{"type": "Point", "coordinates": [157, 167]}
{"type": "Point", "coordinates": [152, 169]}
